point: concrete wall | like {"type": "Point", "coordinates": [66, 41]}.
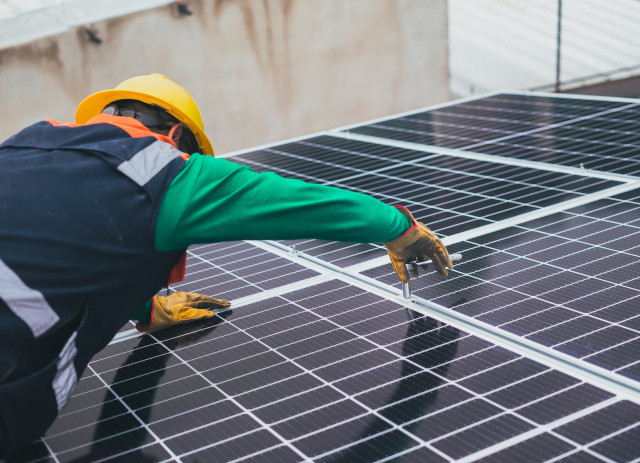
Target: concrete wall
{"type": "Point", "coordinates": [261, 70]}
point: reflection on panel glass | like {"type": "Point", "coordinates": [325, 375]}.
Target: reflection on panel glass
{"type": "Point", "coordinates": [326, 373]}
{"type": "Point", "coordinates": [600, 135]}
{"type": "Point", "coordinates": [566, 281]}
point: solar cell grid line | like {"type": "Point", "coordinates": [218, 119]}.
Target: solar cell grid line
{"type": "Point", "coordinates": [603, 200]}
{"type": "Point", "coordinates": [433, 160]}
{"type": "Point", "coordinates": [615, 211]}
{"type": "Point", "coordinates": [102, 356]}
{"type": "Point", "coordinates": [480, 230]}
{"type": "Point", "coordinates": [535, 320]}
{"type": "Point", "coordinates": [313, 297]}
{"type": "Point", "coordinates": [622, 159]}
{"type": "Point", "coordinates": [544, 109]}
{"type": "Point", "coordinates": [561, 142]}
{"type": "Point", "coordinates": [440, 191]}
{"type": "Point", "coordinates": [278, 159]}
{"type": "Point", "coordinates": [332, 151]}
{"type": "Point", "coordinates": [599, 136]}
{"type": "Point", "coordinates": [157, 440]}
{"type": "Point", "coordinates": [513, 297]}
{"type": "Point", "coordinates": [503, 175]}
{"type": "Point", "coordinates": [519, 447]}
{"type": "Point", "coordinates": [233, 272]}
{"type": "Point", "coordinates": [583, 275]}
{"type": "Point", "coordinates": [436, 163]}
{"type": "Point", "coordinates": [450, 106]}
{"type": "Point", "coordinates": [613, 110]}
{"type": "Point", "coordinates": [342, 255]}
{"type": "Point", "coordinates": [613, 127]}
{"type": "Point", "coordinates": [538, 214]}
{"type": "Point", "coordinates": [499, 160]}
{"type": "Point", "coordinates": [430, 162]}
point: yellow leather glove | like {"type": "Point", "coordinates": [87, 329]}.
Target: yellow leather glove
{"type": "Point", "coordinates": [417, 243]}
{"type": "Point", "coordinates": [180, 308]}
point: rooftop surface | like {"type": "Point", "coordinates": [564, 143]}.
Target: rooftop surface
{"type": "Point", "coordinates": [529, 350]}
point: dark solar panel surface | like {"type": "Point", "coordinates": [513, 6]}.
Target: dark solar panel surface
{"type": "Point", "coordinates": [331, 372]}
{"type": "Point", "coordinates": [238, 269]}
{"type": "Point", "coordinates": [594, 134]}
{"type": "Point", "coordinates": [601, 143]}
{"type": "Point", "coordinates": [570, 281]}
{"type": "Point", "coordinates": [453, 194]}
{"type": "Point", "coordinates": [310, 367]}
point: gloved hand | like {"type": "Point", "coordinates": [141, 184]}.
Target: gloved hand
{"type": "Point", "coordinates": [417, 243]}
{"type": "Point", "coordinates": [180, 308]}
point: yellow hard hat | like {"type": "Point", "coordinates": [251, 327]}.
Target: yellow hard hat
{"type": "Point", "coordinates": [154, 89]}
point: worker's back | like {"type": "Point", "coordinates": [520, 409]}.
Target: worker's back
{"type": "Point", "coordinates": [77, 258]}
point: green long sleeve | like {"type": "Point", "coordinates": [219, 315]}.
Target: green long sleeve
{"type": "Point", "coordinates": [214, 200]}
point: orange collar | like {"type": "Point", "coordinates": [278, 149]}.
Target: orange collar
{"type": "Point", "coordinates": [130, 125]}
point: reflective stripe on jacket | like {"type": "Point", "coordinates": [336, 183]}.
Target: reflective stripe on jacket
{"type": "Point", "coordinates": [78, 207]}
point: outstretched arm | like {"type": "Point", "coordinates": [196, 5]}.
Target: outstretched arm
{"type": "Point", "coordinates": [214, 200]}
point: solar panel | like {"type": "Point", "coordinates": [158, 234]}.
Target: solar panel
{"type": "Point", "coordinates": [594, 134]}
{"type": "Point", "coordinates": [569, 281]}
{"type": "Point", "coordinates": [325, 372]}
{"type": "Point", "coordinates": [528, 350]}
{"type": "Point", "coordinates": [451, 192]}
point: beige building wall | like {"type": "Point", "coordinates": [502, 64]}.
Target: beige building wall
{"type": "Point", "coordinates": [261, 70]}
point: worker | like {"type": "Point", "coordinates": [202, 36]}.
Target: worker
{"type": "Point", "coordinates": [95, 219]}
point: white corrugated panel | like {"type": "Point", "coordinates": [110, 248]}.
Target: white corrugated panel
{"type": "Point", "coordinates": [511, 44]}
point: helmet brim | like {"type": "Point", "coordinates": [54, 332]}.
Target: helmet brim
{"type": "Point", "coordinates": [95, 103]}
